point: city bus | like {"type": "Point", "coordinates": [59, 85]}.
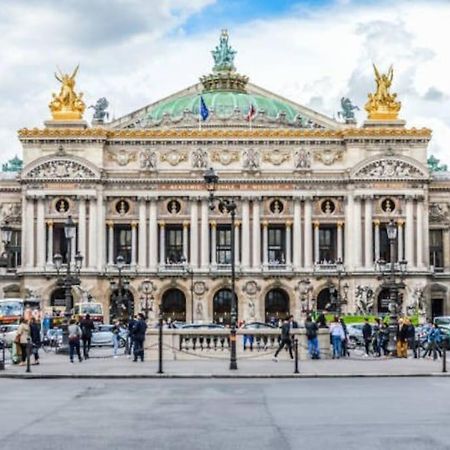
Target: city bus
{"type": "Point", "coordinates": [12, 309]}
{"type": "Point", "coordinates": [94, 309]}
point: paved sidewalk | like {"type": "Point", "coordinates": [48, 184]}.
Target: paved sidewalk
{"type": "Point", "coordinates": [101, 365]}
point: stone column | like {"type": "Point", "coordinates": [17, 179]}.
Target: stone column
{"type": "Point", "coordinates": [194, 233]}
{"type": "Point", "coordinates": [50, 243]}
{"type": "Point", "coordinates": [297, 254]}
{"type": "Point", "coordinates": [340, 255]}
{"type": "Point", "coordinates": [40, 233]}
{"type": "Point", "coordinates": [256, 260]}
{"type": "Point", "coordinates": [409, 232]}
{"type": "Point", "coordinates": [308, 234]}
{"type": "Point", "coordinates": [265, 244]}
{"type": "Point", "coordinates": [316, 242]}
{"type": "Point", "coordinates": [426, 232]}
{"type": "Point", "coordinates": [237, 241]}
{"type": "Point", "coordinates": [288, 243]}
{"type": "Point", "coordinates": [153, 235]}
{"type": "Point", "coordinates": [186, 240]}
{"type": "Point", "coordinates": [419, 234]}
{"type": "Point", "coordinates": [133, 243]}
{"type": "Point", "coordinates": [377, 239]}
{"type": "Point", "coordinates": [101, 232]}
{"type": "Point", "coordinates": [446, 252]}
{"type": "Point", "coordinates": [349, 241]}
{"type": "Point", "coordinates": [110, 226]}
{"type": "Point", "coordinates": [82, 228]}
{"type": "Point", "coordinates": [400, 255]}
{"type": "Point", "coordinates": [162, 244]}
{"type": "Point", "coordinates": [142, 252]}
{"type": "Point", "coordinates": [213, 244]}
{"type": "Point", "coordinates": [23, 239]}
{"type": "Point", "coordinates": [93, 233]}
{"type": "Point", "coordinates": [357, 232]}
{"type": "Point", "coordinates": [29, 221]}
{"type": "Point", "coordinates": [245, 234]}
{"type": "Point", "coordinates": [368, 243]}
{"type": "Point", "coordinates": [205, 235]}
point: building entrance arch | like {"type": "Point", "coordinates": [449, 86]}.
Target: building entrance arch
{"type": "Point", "coordinates": [121, 307]}
{"type": "Point", "coordinates": [173, 305]}
{"type": "Point", "coordinates": [276, 305]}
{"type": "Point", "coordinates": [222, 307]}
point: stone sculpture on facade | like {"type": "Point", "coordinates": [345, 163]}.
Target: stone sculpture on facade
{"type": "Point", "coordinates": [67, 105]}
{"type": "Point", "coordinates": [199, 158]}
{"type": "Point", "coordinates": [100, 113]}
{"type": "Point", "coordinates": [388, 168]}
{"type": "Point", "coordinates": [302, 159]}
{"type": "Point", "coordinates": [347, 113]}
{"type": "Point", "coordinates": [416, 305]}
{"type": "Point", "coordinates": [250, 159]}
{"type": "Point", "coordinates": [223, 55]}
{"type": "Point", "coordinates": [148, 159]}
{"type": "Point", "coordinates": [364, 299]}
{"type": "Point", "coordinates": [61, 169]}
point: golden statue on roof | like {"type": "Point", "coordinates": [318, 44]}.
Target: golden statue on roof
{"type": "Point", "coordinates": [67, 105]}
{"type": "Point", "coordinates": [382, 105]}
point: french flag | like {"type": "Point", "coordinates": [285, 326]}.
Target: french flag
{"type": "Point", "coordinates": [251, 113]}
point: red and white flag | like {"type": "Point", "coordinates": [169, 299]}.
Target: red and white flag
{"type": "Point", "coordinates": [251, 113]}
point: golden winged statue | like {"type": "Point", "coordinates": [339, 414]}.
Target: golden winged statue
{"type": "Point", "coordinates": [67, 105]}
{"type": "Point", "coordinates": [382, 105]}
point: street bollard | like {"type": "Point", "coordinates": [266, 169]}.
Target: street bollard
{"type": "Point", "coordinates": [444, 356]}
{"type": "Point", "coordinates": [2, 360]}
{"type": "Point", "coordinates": [160, 346]}
{"type": "Point", "coordinates": [296, 356]}
{"type": "Point", "coordinates": [28, 355]}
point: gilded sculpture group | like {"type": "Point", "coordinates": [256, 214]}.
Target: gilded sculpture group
{"type": "Point", "coordinates": [68, 105]}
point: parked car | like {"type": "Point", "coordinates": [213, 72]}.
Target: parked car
{"type": "Point", "coordinates": [8, 333]}
{"type": "Point", "coordinates": [202, 326]}
{"type": "Point", "coordinates": [103, 336]}
{"type": "Point", "coordinates": [258, 326]}
{"type": "Point", "coordinates": [354, 333]}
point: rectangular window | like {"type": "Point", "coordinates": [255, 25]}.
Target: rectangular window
{"type": "Point", "coordinates": [174, 244]}
{"type": "Point", "coordinates": [223, 244]}
{"type": "Point", "coordinates": [15, 249]}
{"type": "Point", "coordinates": [277, 245]}
{"type": "Point", "coordinates": [327, 245]}
{"type": "Point", "coordinates": [436, 250]}
{"type": "Point", "coordinates": [59, 242]}
{"type": "Point", "coordinates": [122, 242]}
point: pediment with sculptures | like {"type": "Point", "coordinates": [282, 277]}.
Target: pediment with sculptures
{"type": "Point", "coordinates": [389, 168]}
{"type": "Point", "coordinates": [60, 169]}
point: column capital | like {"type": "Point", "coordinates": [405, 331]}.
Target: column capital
{"type": "Point", "coordinates": [162, 224]}
{"type": "Point", "coordinates": [376, 222]}
{"type": "Point", "coordinates": [237, 223]}
{"type": "Point", "coordinates": [316, 224]}
{"type": "Point", "coordinates": [400, 222]}
{"type": "Point", "coordinates": [340, 224]}
{"type": "Point", "coordinates": [288, 223]}
{"type": "Point", "coordinates": [109, 223]}
{"type": "Point", "coordinates": [265, 223]}
{"type": "Point", "coordinates": [49, 222]}
{"type": "Point", "coordinates": [185, 223]}
{"type": "Point", "coordinates": [134, 224]}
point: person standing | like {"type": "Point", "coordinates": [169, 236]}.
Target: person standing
{"type": "Point", "coordinates": [87, 327]}
{"type": "Point", "coordinates": [402, 336]}
{"type": "Point", "coordinates": [116, 337]}
{"type": "Point", "coordinates": [74, 340]}
{"type": "Point", "coordinates": [285, 339]}
{"type": "Point", "coordinates": [35, 334]}
{"type": "Point", "coordinates": [411, 337]}
{"type": "Point", "coordinates": [337, 334]}
{"type": "Point", "coordinates": [345, 351]}
{"type": "Point", "coordinates": [130, 344]}
{"type": "Point", "coordinates": [22, 336]}
{"type": "Point", "coordinates": [139, 337]}
{"type": "Point", "coordinates": [376, 337]}
{"type": "Point", "coordinates": [367, 335]}
{"type": "Point", "coordinates": [384, 338]}
{"type": "Point", "coordinates": [311, 336]}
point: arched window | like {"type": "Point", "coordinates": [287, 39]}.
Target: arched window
{"type": "Point", "coordinates": [173, 305]}
{"type": "Point", "coordinates": [222, 307]}
{"type": "Point", "coordinates": [276, 305]}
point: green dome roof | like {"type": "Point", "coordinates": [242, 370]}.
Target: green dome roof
{"type": "Point", "coordinates": [224, 104]}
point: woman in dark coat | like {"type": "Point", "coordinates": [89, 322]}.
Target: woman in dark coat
{"type": "Point", "coordinates": [35, 335]}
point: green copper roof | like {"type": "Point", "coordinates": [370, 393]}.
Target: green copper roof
{"type": "Point", "coordinates": [223, 103]}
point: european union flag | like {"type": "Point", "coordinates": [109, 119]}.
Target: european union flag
{"type": "Point", "coordinates": [204, 111]}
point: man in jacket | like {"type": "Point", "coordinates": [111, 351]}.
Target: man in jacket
{"type": "Point", "coordinates": [311, 336]}
{"type": "Point", "coordinates": [35, 335]}
{"type": "Point", "coordinates": [139, 330]}
{"type": "Point", "coordinates": [87, 327]}
{"type": "Point", "coordinates": [285, 339]}
{"type": "Point", "coordinates": [367, 335]}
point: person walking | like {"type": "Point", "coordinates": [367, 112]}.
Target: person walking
{"type": "Point", "coordinates": [22, 336]}
{"type": "Point", "coordinates": [87, 328]}
{"type": "Point", "coordinates": [337, 334]}
{"type": "Point", "coordinates": [433, 339]}
{"type": "Point", "coordinates": [116, 337]}
{"type": "Point", "coordinates": [285, 339]}
{"type": "Point", "coordinates": [74, 340]}
{"type": "Point", "coordinates": [35, 334]}
{"type": "Point", "coordinates": [139, 330]}
{"type": "Point", "coordinates": [367, 335]}
{"type": "Point", "coordinates": [312, 339]}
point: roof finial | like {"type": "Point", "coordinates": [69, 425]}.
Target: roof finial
{"type": "Point", "coordinates": [223, 55]}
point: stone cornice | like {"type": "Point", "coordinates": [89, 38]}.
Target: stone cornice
{"type": "Point", "coordinates": [222, 133]}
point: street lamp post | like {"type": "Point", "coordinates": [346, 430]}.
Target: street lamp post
{"type": "Point", "coordinates": [305, 289]}
{"type": "Point", "coordinates": [390, 282]}
{"type": "Point", "coordinates": [228, 205]}
{"type": "Point", "coordinates": [340, 271]}
{"type": "Point", "coordinates": [147, 294]}
{"type": "Point", "coordinates": [189, 271]}
{"type": "Point", "coordinates": [6, 231]}
{"type": "Point", "coordinates": [68, 280]}
{"type": "Point", "coordinates": [122, 288]}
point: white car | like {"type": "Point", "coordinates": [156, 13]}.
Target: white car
{"type": "Point", "coordinates": [8, 333]}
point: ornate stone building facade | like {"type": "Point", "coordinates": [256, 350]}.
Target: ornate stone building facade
{"type": "Point", "coordinates": [311, 192]}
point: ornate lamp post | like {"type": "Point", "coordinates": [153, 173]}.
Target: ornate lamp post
{"type": "Point", "coordinates": [228, 205]}
{"type": "Point", "coordinates": [340, 271]}
{"type": "Point", "coordinates": [187, 269]}
{"type": "Point", "coordinates": [305, 289]}
{"type": "Point", "coordinates": [147, 294]}
{"type": "Point", "coordinates": [6, 232]}
{"type": "Point", "coordinates": [393, 280]}
{"type": "Point", "coordinates": [70, 278]}
{"type": "Point", "coordinates": [121, 290]}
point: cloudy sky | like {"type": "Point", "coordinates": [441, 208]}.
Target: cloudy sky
{"type": "Point", "coordinates": [135, 52]}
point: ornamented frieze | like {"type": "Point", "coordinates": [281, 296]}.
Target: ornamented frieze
{"type": "Point", "coordinates": [225, 157]}
{"type": "Point", "coordinates": [122, 157]}
{"type": "Point", "coordinates": [174, 157]}
{"type": "Point", "coordinates": [302, 159]}
{"type": "Point", "coordinates": [199, 158]}
{"type": "Point", "coordinates": [250, 159]}
{"type": "Point", "coordinates": [61, 169]}
{"type": "Point", "coordinates": [328, 156]}
{"type": "Point", "coordinates": [148, 159]}
{"type": "Point", "coordinates": [389, 168]}
{"type": "Point", "coordinates": [276, 156]}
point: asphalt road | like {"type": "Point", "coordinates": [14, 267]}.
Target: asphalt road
{"type": "Point", "coordinates": [370, 413]}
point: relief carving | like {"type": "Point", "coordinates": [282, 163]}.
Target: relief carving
{"type": "Point", "coordinates": [148, 159]}
{"type": "Point", "coordinates": [276, 156]}
{"type": "Point", "coordinates": [250, 159]}
{"type": "Point", "coordinates": [174, 157]}
{"type": "Point", "coordinates": [328, 156]}
{"type": "Point", "coordinates": [199, 158]}
{"type": "Point", "coordinates": [63, 169]}
{"type": "Point", "coordinates": [225, 157]}
{"type": "Point", "coordinates": [389, 168]}
{"type": "Point", "coordinates": [122, 157]}
{"type": "Point", "coordinates": [302, 159]}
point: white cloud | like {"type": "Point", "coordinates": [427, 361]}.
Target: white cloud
{"type": "Point", "coordinates": [134, 52]}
